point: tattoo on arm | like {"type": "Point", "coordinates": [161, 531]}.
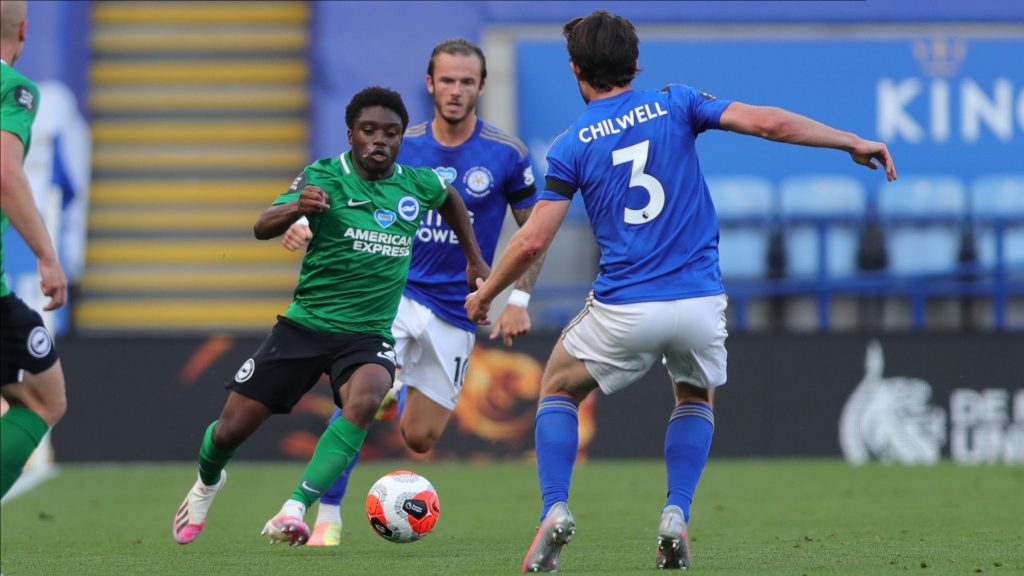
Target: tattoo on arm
{"type": "Point", "coordinates": [529, 278]}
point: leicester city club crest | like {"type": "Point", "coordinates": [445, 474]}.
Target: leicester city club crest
{"type": "Point", "coordinates": [478, 181]}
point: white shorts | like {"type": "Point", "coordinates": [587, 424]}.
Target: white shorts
{"type": "Point", "coordinates": [619, 343]}
{"type": "Point", "coordinates": [433, 355]}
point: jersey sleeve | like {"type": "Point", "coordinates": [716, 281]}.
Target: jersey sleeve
{"type": "Point", "coordinates": [18, 110]}
{"type": "Point", "coordinates": [310, 176]}
{"type": "Point", "coordinates": [562, 179]}
{"type": "Point", "coordinates": [520, 189]}
{"type": "Point", "coordinates": [433, 185]}
{"type": "Point", "coordinates": [702, 109]}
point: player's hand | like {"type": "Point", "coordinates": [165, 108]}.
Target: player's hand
{"type": "Point", "coordinates": [476, 307]}
{"type": "Point", "coordinates": [514, 321]}
{"type": "Point", "coordinates": [53, 284]}
{"type": "Point", "coordinates": [297, 236]}
{"type": "Point", "coordinates": [312, 200]}
{"type": "Point", "coordinates": [866, 152]}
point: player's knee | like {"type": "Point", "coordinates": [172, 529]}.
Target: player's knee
{"type": "Point", "coordinates": [227, 436]}
{"type": "Point", "coordinates": [363, 400]}
{"type": "Point", "coordinates": [55, 408]}
{"type": "Point", "coordinates": [420, 441]}
{"type": "Point", "coordinates": [563, 386]}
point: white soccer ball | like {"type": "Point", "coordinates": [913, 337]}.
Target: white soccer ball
{"type": "Point", "coordinates": [402, 507]}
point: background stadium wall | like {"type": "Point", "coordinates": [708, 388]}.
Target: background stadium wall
{"type": "Point", "coordinates": [911, 398]}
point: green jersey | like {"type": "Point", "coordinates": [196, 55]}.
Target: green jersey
{"type": "Point", "coordinates": [19, 100]}
{"type": "Point", "coordinates": [357, 263]}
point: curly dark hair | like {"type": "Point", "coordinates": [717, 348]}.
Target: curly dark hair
{"type": "Point", "coordinates": [376, 96]}
{"type": "Point", "coordinates": [605, 47]}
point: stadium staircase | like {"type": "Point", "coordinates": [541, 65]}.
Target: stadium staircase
{"type": "Point", "coordinates": [199, 121]}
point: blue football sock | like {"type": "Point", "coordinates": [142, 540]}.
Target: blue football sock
{"type": "Point", "coordinates": [336, 492]}
{"type": "Point", "coordinates": [687, 442]}
{"type": "Point", "coordinates": [557, 440]}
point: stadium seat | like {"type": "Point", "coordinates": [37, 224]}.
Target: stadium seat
{"type": "Point", "coordinates": [924, 216]}
{"type": "Point", "coordinates": [805, 201]}
{"type": "Point", "coordinates": [999, 197]}
{"type": "Point", "coordinates": [745, 207]}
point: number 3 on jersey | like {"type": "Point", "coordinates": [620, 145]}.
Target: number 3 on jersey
{"type": "Point", "coordinates": [637, 155]}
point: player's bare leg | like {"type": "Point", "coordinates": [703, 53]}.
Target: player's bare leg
{"type": "Point", "coordinates": [423, 421]}
{"type": "Point", "coordinates": [240, 417]}
{"type": "Point", "coordinates": [361, 395]}
{"type": "Point", "coordinates": [41, 393]}
{"type": "Point", "coordinates": [36, 404]}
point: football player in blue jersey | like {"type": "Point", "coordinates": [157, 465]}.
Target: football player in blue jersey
{"type": "Point", "coordinates": [434, 338]}
{"type": "Point", "coordinates": [659, 293]}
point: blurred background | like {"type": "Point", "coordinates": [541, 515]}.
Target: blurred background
{"type": "Point", "coordinates": [888, 316]}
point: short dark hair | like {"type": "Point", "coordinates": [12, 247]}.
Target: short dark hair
{"type": "Point", "coordinates": [604, 47]}
{"type": "Point", "coordinates": [458, 47]}
{"type": "Point", "coordinates": [376, 96]}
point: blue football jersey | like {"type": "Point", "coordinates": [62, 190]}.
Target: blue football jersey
{"type": "Point", "coordinates": [633, 158]}
{"type": "Point", "coordinates": [491, 170]}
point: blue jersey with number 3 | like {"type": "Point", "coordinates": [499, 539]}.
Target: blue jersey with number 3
{"type": "Point", "coordinates": [633, 158]}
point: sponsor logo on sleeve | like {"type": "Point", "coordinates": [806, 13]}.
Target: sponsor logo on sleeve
{"type": "Point", "coordinates": [528, 175]}
{"type": "Point", "coordinates": [298, 184]}
{"type": "Point", "coordinates": [24, 97]}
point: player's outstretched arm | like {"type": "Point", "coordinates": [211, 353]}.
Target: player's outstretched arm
{"type": "Point", "coordinates": [455, 214]}
{"type": "Point", "coordinates": [515, 320]}
{"type": "Point", "coordinates": [20, 207]}
{"type": "Point", "coordinates": [784, 126]}
{"type": "Point", "coordinates": [275, 220]}
{"type": "Point", "coordinates": [526, 245]}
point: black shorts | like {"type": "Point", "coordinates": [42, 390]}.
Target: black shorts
{"type": "Point", "coordinates": [292, 358]}
{"type": "Point", "coordinates": [25, 343]}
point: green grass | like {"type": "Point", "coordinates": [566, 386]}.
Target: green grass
{"type": "Point", "coordinates": [751, 517]}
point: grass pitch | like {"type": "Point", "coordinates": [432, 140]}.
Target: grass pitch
{"type": "Point", "coordinates": [751, 517]}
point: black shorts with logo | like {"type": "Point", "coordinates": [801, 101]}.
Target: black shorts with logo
{"type": "Point", "coordinates": [26, 343]}
{"type": "Point", "coordinates": [292, 359]}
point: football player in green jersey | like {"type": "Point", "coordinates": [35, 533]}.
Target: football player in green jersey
{"type": "Point", "coordinates": [365, 209]}
{"type": "Point", "coordinates": [31, 378]}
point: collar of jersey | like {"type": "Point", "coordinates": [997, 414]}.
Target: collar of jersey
{"type": "Point", "coordinates": [476, 130]}
{"type": "Point", "coordinates": [346, 165]}
{"type": "Point", "coordinates": [610, 100]}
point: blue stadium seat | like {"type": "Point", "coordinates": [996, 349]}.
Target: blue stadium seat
{"type": "Point", "coordinates": [805, 200]}
{"type": "Point", "coordinates": [999, 197]}
{"type": "Point", "coordinates": [923, 215]}
{"type": "Point", "coordinates": [745, 207]}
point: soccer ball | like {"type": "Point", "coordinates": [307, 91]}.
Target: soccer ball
{"type": "Point", "coordinates": [402, 507]}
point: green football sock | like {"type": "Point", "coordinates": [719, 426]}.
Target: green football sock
{"type": "Point", "coordinates": [336, 448]}
{"type": "Point", "coordinates": [212, 459]}
{"type": "Point", "coordinates": [21, 430]}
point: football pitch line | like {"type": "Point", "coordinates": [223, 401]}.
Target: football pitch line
{"type": "Point", "coordinates": [750, 517]}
